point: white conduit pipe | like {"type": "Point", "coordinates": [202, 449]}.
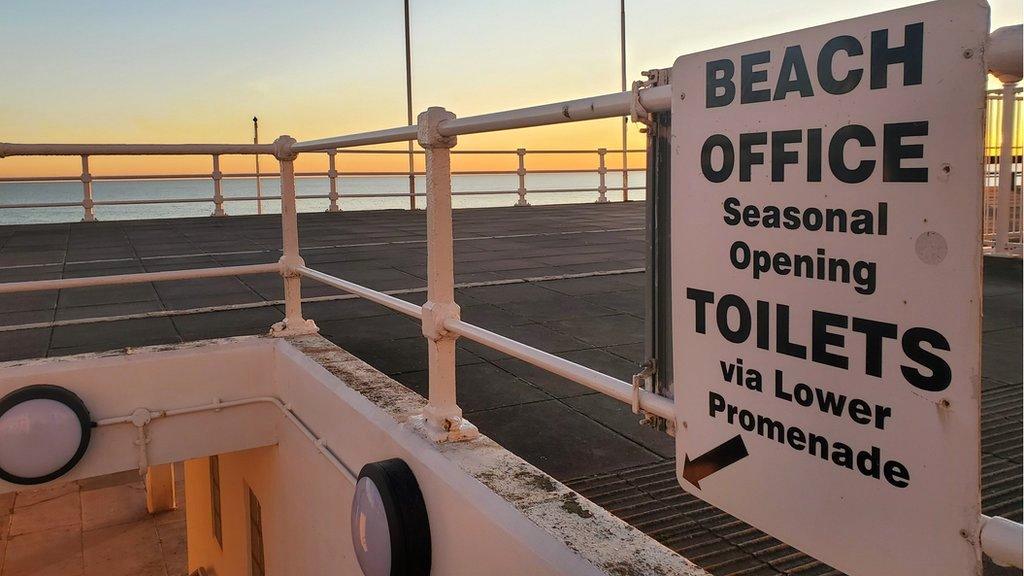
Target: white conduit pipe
{"type": "Point", "coordinates": [285, 409]}
{"type": "Point", "coordinates": [189, 274]}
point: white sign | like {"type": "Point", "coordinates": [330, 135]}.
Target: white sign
{"type": "Point", "coordinates": [826, 281]}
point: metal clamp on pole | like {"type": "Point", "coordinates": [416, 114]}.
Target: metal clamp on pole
{"type": "Point", "coordinates": [637, 111]}
{"type": "Point", "coordinates": [442, 418]}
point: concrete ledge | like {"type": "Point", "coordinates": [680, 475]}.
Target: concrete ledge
{"type": "Point", "coordinates": [589, 531]}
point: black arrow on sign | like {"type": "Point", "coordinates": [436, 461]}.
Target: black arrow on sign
{"type": "Point", "coordinates": [713, 460]}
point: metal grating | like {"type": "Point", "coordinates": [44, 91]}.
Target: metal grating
{"type": "Point", "coordinates": [649, 498]}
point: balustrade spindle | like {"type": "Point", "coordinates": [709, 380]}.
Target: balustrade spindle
{"type": "Point", "coordinates": [218, 196]}
{"type": "Point", "coordinates": [293, 323]}
{"type": "Point", "coordinates": [332, 175]}
{"type": "Point", "coordinates": [602, 170]}
{"type": "Point", "coordinates": [625, 173]}
{"type": "Point", "coordinates": [521, 172]}
{"type": "Point", "coordinates": [1002, 244]}
{"type": "Point", "coordinates": [87, 201]}
{"type": "Point", "coordinates": [442, 415]}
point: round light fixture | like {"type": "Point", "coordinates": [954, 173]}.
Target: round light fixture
{"type": "Point", "coordinates": [390, 529]}
{"type": "Point", "coordinates": [44, 432]}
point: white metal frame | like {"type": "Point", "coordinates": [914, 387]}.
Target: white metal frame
{"type": "Point", "coordinates": [436, 132]}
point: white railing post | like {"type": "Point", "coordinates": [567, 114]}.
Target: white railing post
{"type": "Point", "coordinates": [293, 323]}
{"type": "Point", "coordinates": [218, 197]}
{"type": "Point", "coordinates": [1002, 244]}
{"type": "Point", "coordinates": [442, 416]}
{"type": "Point", "coordinates": [625, 174]}
{"type": "Point", "coordinates": [521, 171]}
{"type": "Point", "coordinates": [602, 169]}
{"type": "Point", "coordinates": [332, 175]}
{"type": "Point", "coordinates": [87, 202]}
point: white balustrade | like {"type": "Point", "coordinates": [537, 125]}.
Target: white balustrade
{"type": "Point", "coordinates": [602, 188]}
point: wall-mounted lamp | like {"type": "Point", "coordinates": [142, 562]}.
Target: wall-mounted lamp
{"type": "Point", "coordinates": [390, 529]}
{"type": "Point", "coordinates": [44, 432]}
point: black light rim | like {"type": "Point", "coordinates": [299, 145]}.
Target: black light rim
{"type": "Point", "coordinates": [406, 512]}
{"type": "Point", "coordinates": [65, 397]}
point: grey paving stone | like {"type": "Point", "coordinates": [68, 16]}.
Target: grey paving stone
{"type": "Point", "coordinates": [609, 330]}
{"type": "Point", "coordinates": [591, 285]}
{"type": "Point", "coordinates": [18, 318]}
{"type": "Point", "coordinates": [226, 323]}
{"type": "Point", "coordinates": [555, 306]}
{"type": "Point", "coordinates": [480, 386]}
{"type": "Point", "coordinates": [620, 418]}
{"type": "Point", "coordinates": [106, 310]}
{"type": "Point", "coordinates": [1001, 354]}
{"type": "Point", "coordinates": [46, 300]}
{"type": "Point", "coordinates": [560, 440]}
{"type": "Point", "coordinates": [605, 362]}
{"type": "Point", "coordinates": [96, 295]}
{"type": "Point", "coordinates": [550, 383]}
{"type": "Point", "coordinates": [22, 344]}
{"type": "Point", "coordinates": [112, 335]}
{"type": "Point", "coordinates": [354, 331]}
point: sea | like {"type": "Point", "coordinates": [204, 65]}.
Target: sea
{"type": "Point", "coordinates": [394, 191]}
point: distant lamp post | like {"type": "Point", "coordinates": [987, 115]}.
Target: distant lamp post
{"type": "Point", "coordinates": [256, 140]}
{"type": "Point", "coordinates": [44, 432]}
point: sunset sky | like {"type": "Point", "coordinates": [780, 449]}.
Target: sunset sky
{"type": "Point", "coordinates": [197, 71]}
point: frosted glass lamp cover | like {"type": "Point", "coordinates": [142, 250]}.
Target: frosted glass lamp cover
{"type": "Point", "coordinates": [390, 529]}
{"type": "Point", "coordinates": [44, 432]}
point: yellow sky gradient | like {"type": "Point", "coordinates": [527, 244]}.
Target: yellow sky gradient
{"type": "Point", "coordinates": [192, 71]}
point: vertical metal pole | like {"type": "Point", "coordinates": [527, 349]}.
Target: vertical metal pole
{"type": "Point", "coordinates": [293, 323]}
{"type": "Point", "coordinates": [1002, 245]}
{"type": "Point", "coordinates": [256, 140]}
{"type": "Point", "coordinates": [218, 196]}
{"type": "Point", "coordinates": [442, 415]}
{"type": "Point", "coordinates": [521, 172]}
{"type": "Point", "coordinates": [602, 188]}
{"type": "Point", "coordinates": [332, 175]}
{"type": "Point", "coordinates": [408, 108]}
{"type": "Point", "coordinates": [625, 121]}
{"type": "Point", "coordinates": [87, 202]}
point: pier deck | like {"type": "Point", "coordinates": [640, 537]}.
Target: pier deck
{"type": "Point", "coordinates": [565, 279]}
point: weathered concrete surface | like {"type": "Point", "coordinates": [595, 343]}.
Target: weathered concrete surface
{"type": "Point", "coordinates": [596, 321]}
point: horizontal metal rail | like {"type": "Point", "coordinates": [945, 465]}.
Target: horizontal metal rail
{"type": "Point", "coordinates": [388, 301]}
{"type": "Point", "coordinates": [340, 173]}
{"type": "Point", "coordinates": [607, 106]}
{"type": "Point", "coordinates": [187, 274]}
{"type": "Point", "coordinates": [7, 149]}
{"type": "Point", "coordinates": [592, 379]}
{"type": "Point", "coordinates": [220, 201]}
{"type": "Point", "coordinates": [597, 381]}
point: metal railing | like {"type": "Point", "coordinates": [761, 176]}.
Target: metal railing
{"type": "Point", "coordinates": [437, 131]}
{"type": "Point", "coordinates": [1004, 130]}
{"type": "Point", "coordinates": [333, 175]}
